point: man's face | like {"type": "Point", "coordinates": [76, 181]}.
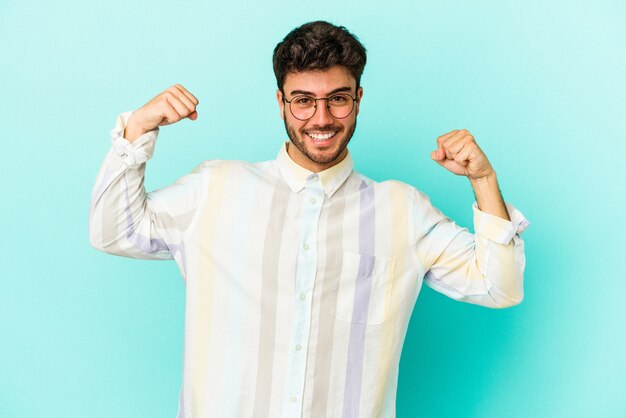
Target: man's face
{"type": "Point", "coordinates": [320, 142]}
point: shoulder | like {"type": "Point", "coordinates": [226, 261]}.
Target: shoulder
{"type": "Point", "coordinates": [395, 186]}
{"type": "Point", "coordinates": [235, 169]}
{"type": "Point", "coordinates": [212, 165]}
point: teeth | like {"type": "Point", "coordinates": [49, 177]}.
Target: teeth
{"type": "Point", "coordinates": [322, 137]}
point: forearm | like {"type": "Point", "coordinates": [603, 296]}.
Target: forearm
{"type": "Point", "coordinates": [488, 196]}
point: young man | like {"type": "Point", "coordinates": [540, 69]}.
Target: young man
{"type": "Point", "coordinates": [301, 273]}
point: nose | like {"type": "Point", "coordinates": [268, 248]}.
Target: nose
{"type": "Point", "coordinates": [322, 116]}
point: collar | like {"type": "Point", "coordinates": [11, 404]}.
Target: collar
{"type": "Point", "coordinates": [298, 177]}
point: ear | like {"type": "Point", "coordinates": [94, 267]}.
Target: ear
{"type": "Point", "coordinates": [281, 103]}
{"type": "Point", "coordinates": [359, 95]}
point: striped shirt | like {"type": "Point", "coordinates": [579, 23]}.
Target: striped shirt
{"type": "Point", "coordinates": [299, 285]}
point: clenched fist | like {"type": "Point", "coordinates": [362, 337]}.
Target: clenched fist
{"type": "Point", "coordinates": [458, 152]}
{"type": "Point", "coordinates": [169, 107]}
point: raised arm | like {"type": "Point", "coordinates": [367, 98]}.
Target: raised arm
{"type": "Point", "coordinates": [484, 268]}
{"type": "Point", "coordinates": [125, 220]}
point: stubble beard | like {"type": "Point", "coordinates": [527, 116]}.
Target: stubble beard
{"type": "Point", "coordinates": [319, 159]}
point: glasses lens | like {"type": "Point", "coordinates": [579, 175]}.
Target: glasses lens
{"type": "Point", "coordinates": [340, 105]}
{"type": "Point", "coordinates": [302, 107]}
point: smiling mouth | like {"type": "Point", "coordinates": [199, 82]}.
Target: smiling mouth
{"type": "Point", "coordinates": [321, 137]}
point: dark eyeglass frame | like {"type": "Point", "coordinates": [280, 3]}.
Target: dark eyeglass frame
{"type": "Point", "coordinates": [315, 105]}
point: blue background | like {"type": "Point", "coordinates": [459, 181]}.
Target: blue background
{"type": "Point", "coordinates": [541, 85]}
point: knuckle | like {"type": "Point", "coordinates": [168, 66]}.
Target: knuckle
{"type": "Point", "coordinates": [168, 107]}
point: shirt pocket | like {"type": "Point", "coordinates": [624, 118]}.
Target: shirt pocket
{"type": "Point", "coordinates": [364, 291]}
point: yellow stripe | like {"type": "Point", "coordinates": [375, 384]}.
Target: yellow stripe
{"type": "Point", "coordinates": [398, 240]}
{"type": "Point", "coordinates": [203, 292]}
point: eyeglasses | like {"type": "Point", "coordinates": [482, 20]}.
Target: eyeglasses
{"type": "Point", "coordinates": [303, 107]}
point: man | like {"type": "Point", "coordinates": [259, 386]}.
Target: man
{"type": "Point", "coordinates": [301, 273]}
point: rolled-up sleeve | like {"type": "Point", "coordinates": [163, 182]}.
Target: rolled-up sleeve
{"type": "Point", "coordinates": [484, 268]}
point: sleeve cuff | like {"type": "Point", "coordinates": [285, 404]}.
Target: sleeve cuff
{"type": "Point", "coordinates": [132, 153]}
{"type": "Point", "coordinates": [497, 229]}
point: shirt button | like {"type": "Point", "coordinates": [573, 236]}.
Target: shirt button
{"type": "Point", "coordinates": [292, 399]}
{"type": "Point", "coordinates": [305, 246]}
{"type": "Point", "coordinates": [298, 347]}
{"type": "Point", "coordinates": [302, 296]}
{"type": "Point", "coordinates": [313, 201]}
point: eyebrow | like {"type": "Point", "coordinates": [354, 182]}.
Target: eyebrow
{"type": "Point", "coordinates": [308, 93]}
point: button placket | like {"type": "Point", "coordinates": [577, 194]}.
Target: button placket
{"type": "Point", "coordinates": [304, 281]}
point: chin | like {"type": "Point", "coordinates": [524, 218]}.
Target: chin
{"type": "Point", "coordinates": [323, 155]}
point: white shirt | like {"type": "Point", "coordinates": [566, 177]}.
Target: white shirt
{"type": "Point", "coordinates": [299, 285]}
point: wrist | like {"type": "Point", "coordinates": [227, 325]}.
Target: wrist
{"type": "Point", "coordinates": [487, 181]}
{"type": "Point", "coordinates": [488, 196]}
{"type": "Point", "coordinates": [133, 130]}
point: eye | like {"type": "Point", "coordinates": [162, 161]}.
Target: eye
{"type": "Point", "coordinates": [338, 100]}
{"type": "Point", "coordinates": [302, 101]}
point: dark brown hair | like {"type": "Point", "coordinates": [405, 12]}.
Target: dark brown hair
{"type": "Point", "coordinates": [318, 46]}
